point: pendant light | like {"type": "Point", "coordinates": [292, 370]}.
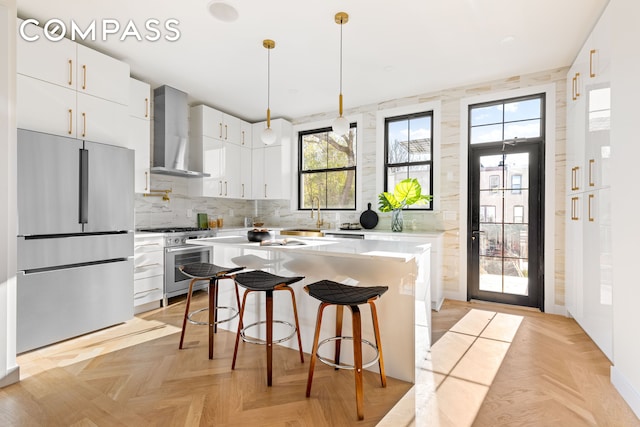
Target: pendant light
{"type": "Point", "coordinates": [268, 135]}
{"type": "Point", "coordinates": [340, 124]}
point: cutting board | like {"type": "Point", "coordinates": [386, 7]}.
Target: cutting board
{"type": "Point", "coordinates": [368, 218]}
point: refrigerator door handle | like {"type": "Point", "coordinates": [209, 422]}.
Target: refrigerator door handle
{"type": "Point", "coordinates": [84, 187]}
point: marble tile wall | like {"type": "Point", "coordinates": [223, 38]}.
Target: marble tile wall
{"type": "Point", "coordinates": [152, 211]}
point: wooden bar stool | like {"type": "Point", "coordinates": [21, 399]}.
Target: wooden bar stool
{"type": "Point", "coordinates": [213, 273]}
{"type": "Point", "coordinates": [333, 293]}
{"type": "Point", "coordinates": [261, 281]}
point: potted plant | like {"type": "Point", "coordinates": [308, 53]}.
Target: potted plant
{"type": "Point", "coordinates": [407, 192]}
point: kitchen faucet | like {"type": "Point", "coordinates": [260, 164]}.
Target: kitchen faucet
{"type": "Point", "coordinates": [319, 222]}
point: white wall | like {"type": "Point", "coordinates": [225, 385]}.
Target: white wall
{"type": "Point", "coordinates": [625, 96]}
{"type": "Point", "coordinates": [9, 372]}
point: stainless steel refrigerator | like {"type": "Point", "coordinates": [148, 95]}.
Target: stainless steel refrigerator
{"type": "Point", "coordinates": [75, 237]}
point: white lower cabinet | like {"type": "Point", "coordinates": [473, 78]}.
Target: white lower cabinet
{"type": "Point", "coordinates": [435, 272]}
{"type": "Point", "coordinates": [148, 283]}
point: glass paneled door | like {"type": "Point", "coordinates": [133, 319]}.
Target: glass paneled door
{"type": "Point", "coordinates": [505, 223]}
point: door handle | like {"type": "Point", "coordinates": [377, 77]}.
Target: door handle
{"type": "Point", "coordinates": [475, 233]}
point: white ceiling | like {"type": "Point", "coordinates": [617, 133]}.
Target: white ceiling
{"type": "Point", "coordinates": [392, 49]}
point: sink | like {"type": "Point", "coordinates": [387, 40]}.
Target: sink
{"type": "Point", "coordinates": [303, 232]}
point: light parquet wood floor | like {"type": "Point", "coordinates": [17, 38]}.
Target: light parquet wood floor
{"type": "Point", "coordinates": [134, 375]}
{"type": "Point", "coordinates": [552, 375]}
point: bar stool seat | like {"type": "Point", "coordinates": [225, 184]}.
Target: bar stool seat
{"type": "Point", "coordinates": [262, 281]}
{"type": "Point", "coordinates": [213, 273]}
{"type": "Point", "coordinates": [332, 293]}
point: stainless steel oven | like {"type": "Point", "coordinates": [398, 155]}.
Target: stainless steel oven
{"type": "Point", "coordinates": [177, 252]}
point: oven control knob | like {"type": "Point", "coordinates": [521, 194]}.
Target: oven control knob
{"type": "Point", "coordinates": [176, 240]}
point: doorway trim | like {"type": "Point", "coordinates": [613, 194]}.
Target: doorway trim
{"type": "Point", "coordinates": [550, 193]}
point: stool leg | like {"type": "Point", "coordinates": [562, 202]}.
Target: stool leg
{"type": "Point", "coordinates": [376, 330]}
{"type": "Point", "coordinates": [213, 293]}
{"type": "Point", "coordinates": [357, 359]}
{"type": "Point", "coordinates": [295, 315]}
{"type": "Point", "coordinates": [186, 311]}
{"type": "Point", "coordinates": [235, 350]}
{"type": "Point", "coordinates": [269, 336]}
{"type": "Point", "coordinates": [314, 349]}
{"type": "Point", "coordinates": [339, 316]}
{"type": "Point", "coordinates": [215, 309]}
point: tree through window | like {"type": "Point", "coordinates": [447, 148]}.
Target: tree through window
{"type": "Point", "coordinates": [327, 169]}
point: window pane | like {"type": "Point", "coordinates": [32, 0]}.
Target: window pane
{"type": "Point", "coordinates": [395, 175]}
{"type": "Point", "coordinates": [486, 115]}
{"type": "Point", "coordinates": [420, 141]}
{"type": "Point", "coordinates": [314, 150]}
{"type": "Point", "coordinates": [341, 152]}
{"type": "Point", "coordinates": [522, 110]}
{"type": "Point", "coordinates": [340, 189]}
{"type": "Point", "coordinates": [423, 174]}
{"type": "Point", "coordinates": [488, 133]}
{"type": "Point", "coordinates": [525, 129]}
{"type": "Point", "coordinates": [398, 139]}
{"type": "Point", "coordinates": [313, 185]}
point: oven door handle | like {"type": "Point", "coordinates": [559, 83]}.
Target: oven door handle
{"type": "Point", "coordinates": [184, 249]}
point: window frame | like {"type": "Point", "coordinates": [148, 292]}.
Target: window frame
{"type": "Point", "coordinates": [301, 173]}
{"type": "Point", "coordinates": [386, 165]}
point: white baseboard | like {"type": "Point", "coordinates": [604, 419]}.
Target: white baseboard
{"type": "Point", "coordinates": [626, 390]}
{"type": "Point", "coordinates": [12, 377]}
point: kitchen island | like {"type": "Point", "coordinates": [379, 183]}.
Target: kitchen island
{"type": "Point", "coordinates": [403, 266]}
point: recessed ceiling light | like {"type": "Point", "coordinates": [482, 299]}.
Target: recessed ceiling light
{"type": "Point", "coordinates": [223, 11]}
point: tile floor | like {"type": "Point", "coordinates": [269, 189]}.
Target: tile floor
{"type": "Point", "coordinates": [453, 378]}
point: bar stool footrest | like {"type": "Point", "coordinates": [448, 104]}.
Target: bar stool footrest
{"type": "Point", "coordinates": [332, 363]}
{"type": "Point", "coordinates": [252, 340]}
{"type": "Point", "coordinates": [197, 322]}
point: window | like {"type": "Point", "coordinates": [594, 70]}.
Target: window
{"type": "Point", "coordinates": [516, 184]}
{"type": "Point", "coordinates": [494, 183]}
{"type": "Point", "coordinates": [487, 213]}
{"type": "Point", "coordinates": [506, 120]}
{"type": "Point", "coordinates": [409, 152]}
{"type": "Point", "coordinates": [518, 214]}
{"type": "Point", "coordinates": [327, 169]}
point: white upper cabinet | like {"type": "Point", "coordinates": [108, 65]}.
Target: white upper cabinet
{"type": "Point", "coordinates": [218, 125]}
{"type": "Point", "coordinates": [53, 62]}
{"type": "Point", "coordinates": [102, 76]}
{"type": "Point", "coordinates": [139, 99]}
{"type": "Point", "coordinates": [271, 171]}
{"type": "Point", "coordinates": [70, 90]}
{"type": "Point", "coordinates": [140, 132]}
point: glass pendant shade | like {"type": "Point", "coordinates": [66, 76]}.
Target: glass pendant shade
{"type": "Point", "coordinates": [268, 136]}
{"type": "Point", "coordinates": [340, 126]}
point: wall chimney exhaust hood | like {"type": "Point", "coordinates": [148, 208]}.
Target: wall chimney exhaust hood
{"type": "Point", "coordinates": [171, 134]}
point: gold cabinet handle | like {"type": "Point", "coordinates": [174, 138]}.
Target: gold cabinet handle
{"type": "Point", "coordinates": [70, 72]}
{"type": "Point", "coordinates": [242, 190]}
{"type": "Point", "coordinates": [84, 124]}
{"type": "Point", "coordinates": [70, 121]}
{"type": "Point", "coordinates": [591, 53]}
{"type": "Point", "coordinates": [220, 130]}
{"type": "Point", "coordinates": [591, 163]}
{"type": "Point", "coordinates": [574, 209]}
{"type": "Point", "coordinates": [265, 191]}
{"type": "Point", "coordinates": [573, 88]}
{"type": "Point", "coordinates": [574, 178]}
{"type": "Point", "coordinates": [242, 137]}
{"type": "Point", "coordinates": [220, 185]}
{"type": "Point", "coordinates": [146, 181]}
{"type": "Point", "coordinates": [146, 107]}
{"type": "Point", "coordinates": [226, 133]}
{"type": "Point", "coordinates": [84, 77]}
{"type": "Point", "coordinates": [591, 196]}
{"type": "Point", "coordinates": [226, 187]}
{"type": "Point", "coordinates": [577, 85]}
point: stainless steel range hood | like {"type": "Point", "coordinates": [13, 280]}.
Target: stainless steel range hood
{"type": "Point", "coordinates": [171, 134]}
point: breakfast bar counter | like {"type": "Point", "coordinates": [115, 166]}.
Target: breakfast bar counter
{"type": "Point", "coordinates": [402, 266]}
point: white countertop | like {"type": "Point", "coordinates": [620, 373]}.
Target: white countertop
{"type": "Point", "coordinates": [326, 246]}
